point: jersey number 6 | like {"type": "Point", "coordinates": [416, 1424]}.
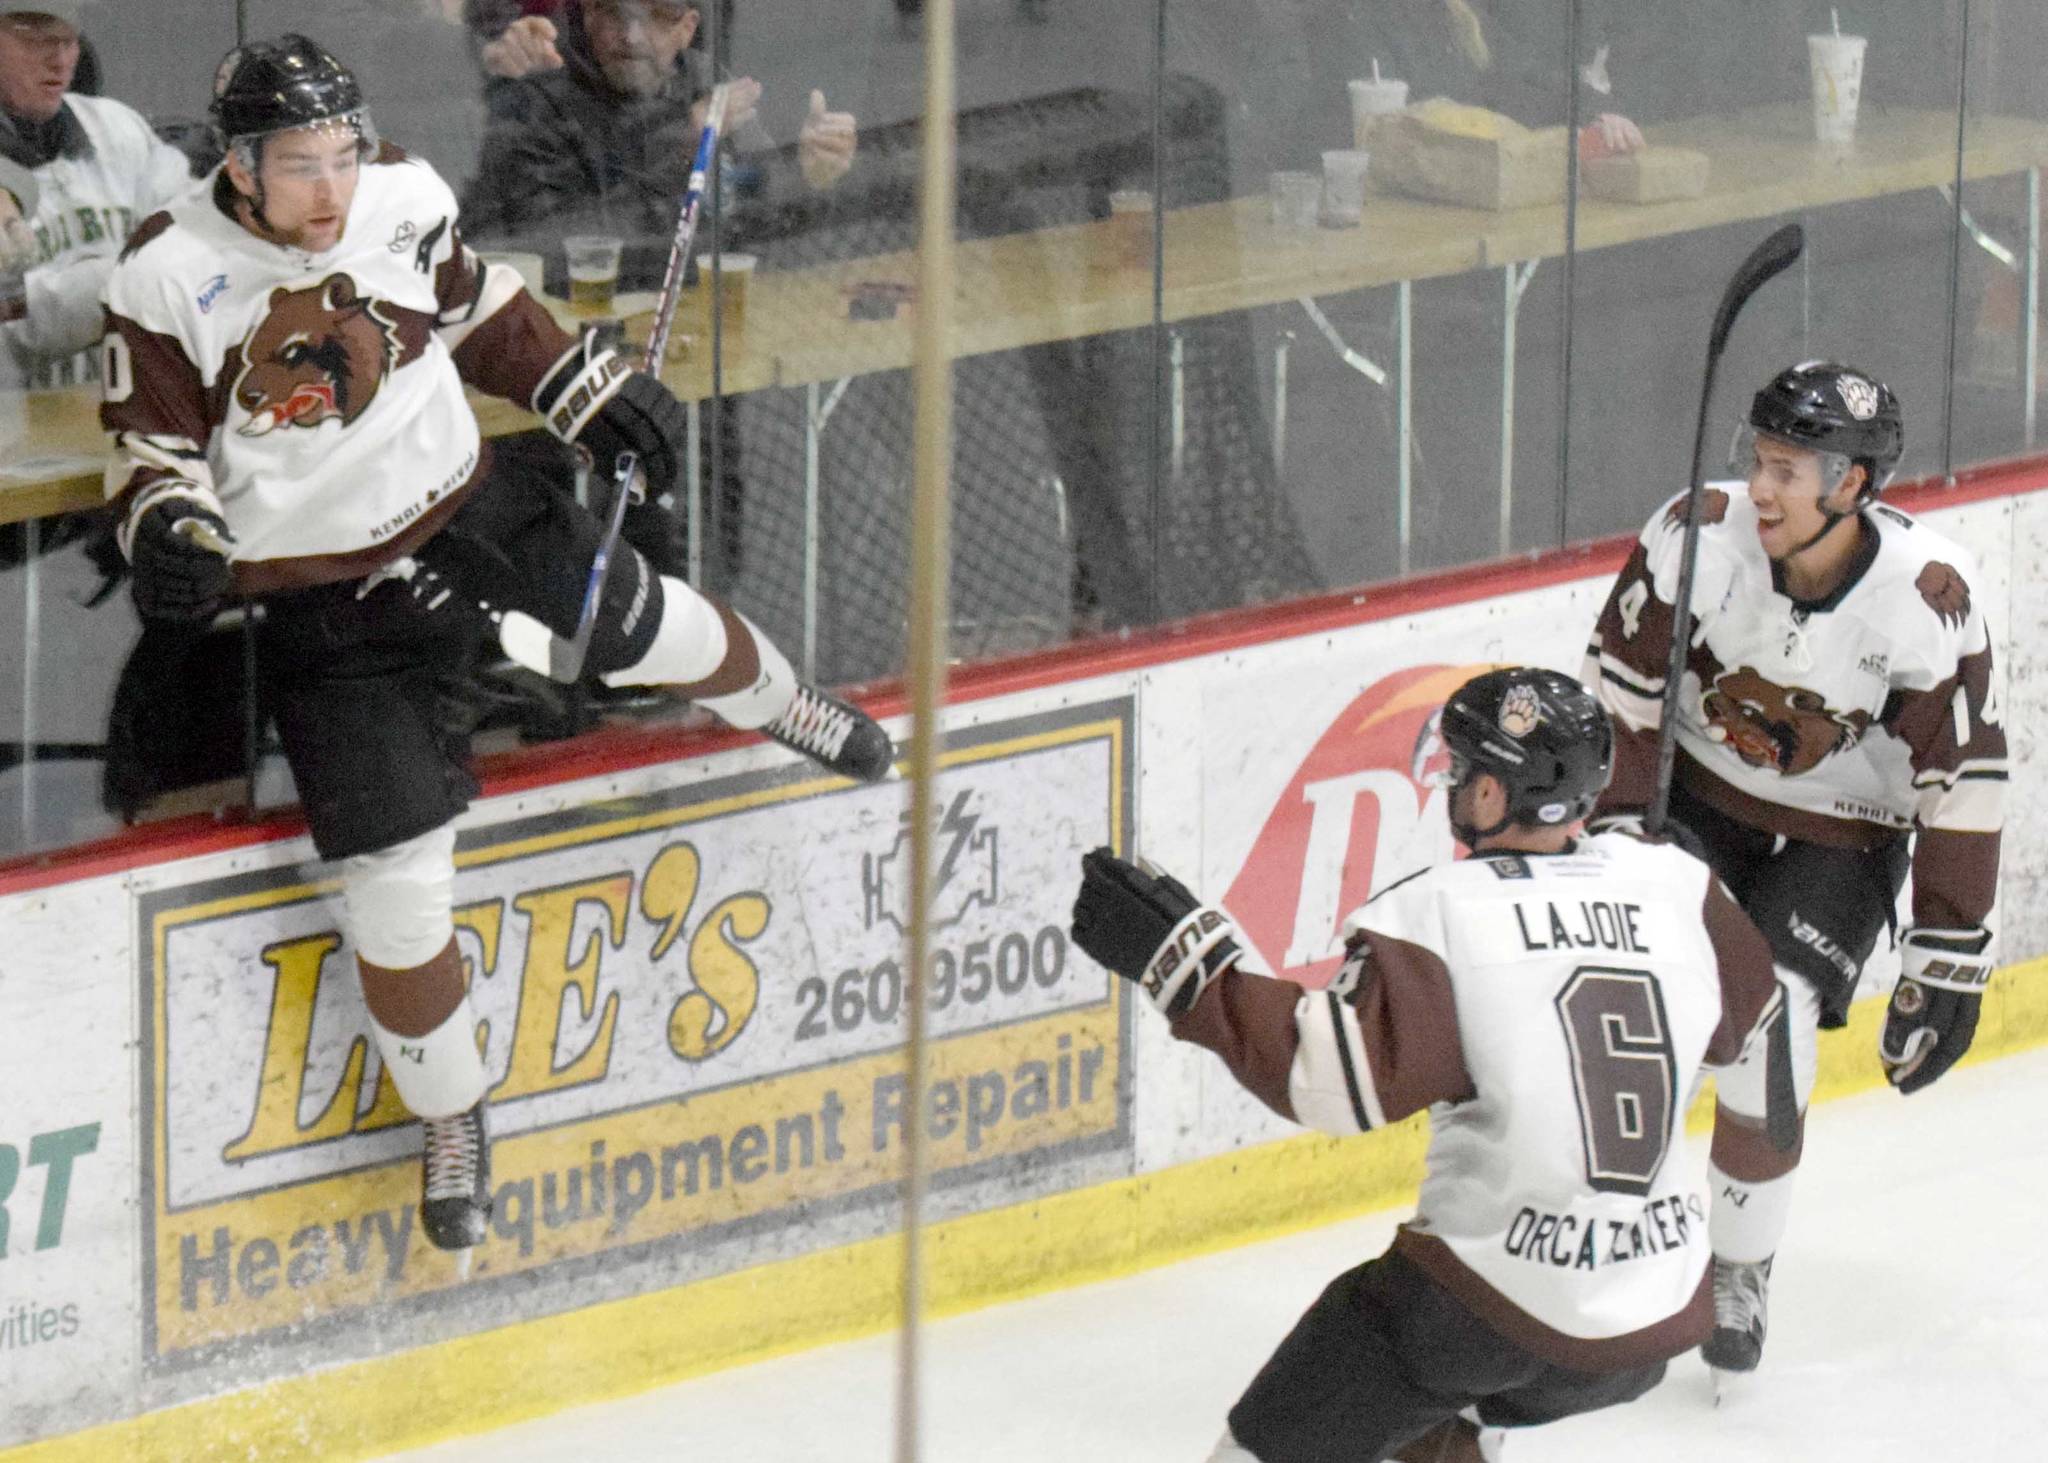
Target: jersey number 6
{"type": "Point", "coordinates": [1624, 1072]}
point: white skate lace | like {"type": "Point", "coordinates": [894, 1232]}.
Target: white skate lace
{"type": "Point", "coordinates": [402, 569]}
{"type": "Point", "coordinates": [452, 1153]}
{"type": "Point", "coordinates": [1739, 1295]}
{"type": "Point", "coordinates": [813, 724]}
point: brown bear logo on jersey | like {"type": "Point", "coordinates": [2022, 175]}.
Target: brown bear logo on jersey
{"type": "Point", "coordinates": [1790, 729]}
{"type": "Point", "coordinates": [1713, 508]}
{"type": "Point", "coordinates": [318, 354]}
{"type": "Point", "coordinates": [1945, 592]}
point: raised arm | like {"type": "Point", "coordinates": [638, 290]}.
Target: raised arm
{"type": "Point", "coordinates": [1378, 1044]}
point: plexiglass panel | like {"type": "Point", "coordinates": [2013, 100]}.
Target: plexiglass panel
{"type": "Point", "coordinates": [1256, 300]}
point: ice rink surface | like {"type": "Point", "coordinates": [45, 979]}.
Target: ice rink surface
{"type": "Point", "coordinates": [1909, 1322]}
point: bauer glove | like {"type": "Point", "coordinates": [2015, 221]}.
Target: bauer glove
{"type": "Point", "coordinates": [1933, 1012]}
{"type": "Point", "coordinates": [596, 400]}
{"type": "Point", "coordinates": [1149, 929]}
{"type": "Point", "coordinates": [179, 552]}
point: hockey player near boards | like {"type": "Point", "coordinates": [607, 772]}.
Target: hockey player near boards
{"type": "Point", "coordinates": [284, 368]}
{"type": "Point", "coordinates": [1550, 1000]}
{"type": "Point", "coordinates": [1838, 722]}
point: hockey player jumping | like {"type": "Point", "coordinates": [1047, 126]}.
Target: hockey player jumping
{"type": "Point", "coordinates": [1839, 707]}
{"type": "Point", "coordinates": [284, 368]}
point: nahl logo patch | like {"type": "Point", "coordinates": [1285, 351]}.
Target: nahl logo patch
{"type": "Point", "coordinates": [1859, 396]}
{"type": "Point", "coordinates": [1520, 712]}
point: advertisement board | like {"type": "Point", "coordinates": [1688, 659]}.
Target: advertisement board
{"type": "Point", "coordinates": [692, 1006]}
{"type": "Point", "coordinates": [67, 1162]}
{"type": "Point", "coordinates": [690, 997]}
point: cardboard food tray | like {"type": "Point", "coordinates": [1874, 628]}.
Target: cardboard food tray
{"type": "Point", "coordinates": [1653, 175]}
{"type": "Point", "coordinates": [1514, 170]}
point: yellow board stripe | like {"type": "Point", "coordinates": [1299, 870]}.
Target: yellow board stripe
{"type": "Point", "coordinates": [533, 1368]}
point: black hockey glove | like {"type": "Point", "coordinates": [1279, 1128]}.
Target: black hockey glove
{"type": "Point", "coordinates": [595, 399]}
{"type": "Point", "coordinates": [1148, 928]}
{"type": "Point", "coordinates": [180, 578]}
{"type": "Point", "coordinates": [1933, 1013]}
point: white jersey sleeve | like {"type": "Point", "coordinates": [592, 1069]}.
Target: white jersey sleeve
{"type": "Point", "coordinates": [315, 401]}
{"type": "Point", "coordinates": [1845, 722]}
{"type": "Point", "coordinates": [90, 203]}
{"type": "Point", "coordinates": [1552, 1013]}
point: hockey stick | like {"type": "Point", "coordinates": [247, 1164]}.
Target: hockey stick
{"type": "Point", "coordinates": [1769, 259]}
{"type": "Point", "coordinates": [525, 639]}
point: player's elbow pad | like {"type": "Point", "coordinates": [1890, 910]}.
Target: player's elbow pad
{"type": "Point", "coordinates": [1331, 1083]}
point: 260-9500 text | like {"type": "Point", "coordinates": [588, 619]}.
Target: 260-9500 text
{"type": "Point", "coordinates": [1007, 965]}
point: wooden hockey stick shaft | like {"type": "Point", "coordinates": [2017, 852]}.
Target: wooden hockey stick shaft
{"type": "Point", "coordinates": [1769, 259]}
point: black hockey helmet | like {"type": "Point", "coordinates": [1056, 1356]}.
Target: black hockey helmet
{"type": "Point", "coordinates": [274, 86]}
{"type": "Point", "coordinates": [1542, 734]}
{"type": "Point", "coordinates": [1836, 410]}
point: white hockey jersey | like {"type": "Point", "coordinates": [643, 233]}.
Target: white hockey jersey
{"type": "Point", "coordinates": [90, 203]}
{"type": "Point", "coordinates": [314, 400]}
{"type": "Point", "coordinates": [1552, 1012]}
{"type": "Point", "coordinates": [1843, 722]}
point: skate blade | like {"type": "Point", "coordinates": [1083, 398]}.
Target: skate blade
{"type": "Point", "coordinates": [1730, 1386]}
{"type": "Point", "coordinates": [463, 1259]}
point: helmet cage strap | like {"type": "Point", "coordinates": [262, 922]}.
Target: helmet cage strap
{"type": "Point", "coordinates": [248, 151]}
{"type": "Point", "coordinates": [1829, 518]}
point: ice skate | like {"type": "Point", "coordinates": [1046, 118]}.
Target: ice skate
{"type": "Point", "coordinates": [1741, 1300]}
{"type": "Point", "coordinates": [837, 736]}
{"type": "Point", "coordinates": [455, 1180]}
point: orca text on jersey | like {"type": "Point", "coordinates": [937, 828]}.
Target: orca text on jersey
{"type": "Point", "coordinates": [1570, 1242]}
{"type": "Point", "coordinates": [1590, 924]}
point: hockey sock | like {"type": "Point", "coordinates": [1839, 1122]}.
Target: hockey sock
{"type": "Point", "coordinates": [397, 906]}
{"type": "Point", "coordinates": [715, 656]}
{"type": "Point", "coordinates": [1751, 1178]}
{"type": "Point", "coordinates": [1752, 1188]}
{"type": "Point", "coordinates": [425, 1029]}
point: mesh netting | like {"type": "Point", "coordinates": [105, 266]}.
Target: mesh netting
{"type": "Point", "coordinates": [1067, 514]}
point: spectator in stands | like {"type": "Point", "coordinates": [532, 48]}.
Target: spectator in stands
{"type": "Point", "coordinates": [515, 38]}
{"type": "Point", "coordinates": [100, 171]}
{"type": "Point", "coordinates": [604, 143]}
{"type": "Point", "coordinates": [606, 139]}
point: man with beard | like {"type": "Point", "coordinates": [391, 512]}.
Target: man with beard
{"type": "Point", "coordinates": [604, 144]}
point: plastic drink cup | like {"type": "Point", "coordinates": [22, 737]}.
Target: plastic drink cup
{"type": "Point", "coordinates": [1295, 197]}
{"type": "Point", "coordinates": [1837, 65]}
{"type": "Point", "coordinates": [593, 271]}
{"type": "Point", "coordinates": [730, 289]}
{"type": "Point", "coordinates": [1372, 98]}
{"type": "Point", "coordinates": [1344, 171]}
{"type": "Point", "coordinates": [1130, 229]}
